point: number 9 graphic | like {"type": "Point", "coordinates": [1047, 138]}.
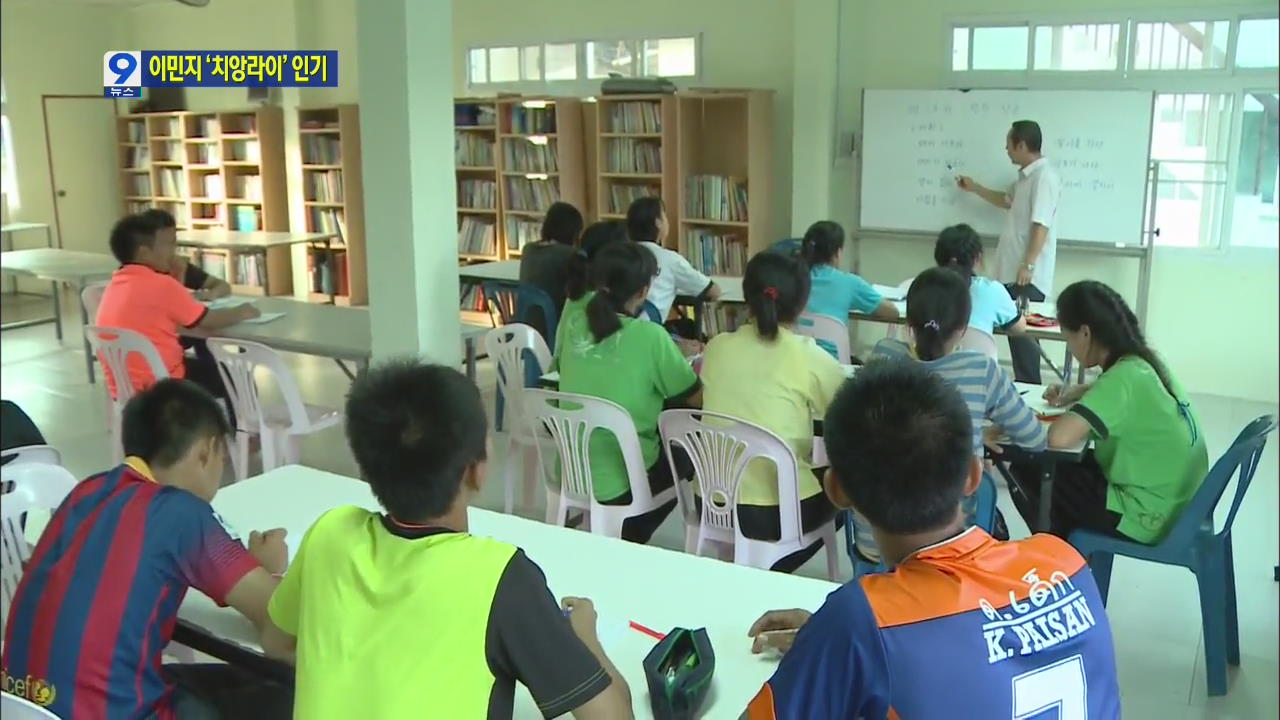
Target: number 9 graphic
{"type": "Point", "coordinates": [121, 67]}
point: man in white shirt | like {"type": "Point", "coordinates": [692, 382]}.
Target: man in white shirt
{"type": "Point", "coordinates": [1029, 240]}
{"type": "Point", "coordinates": [647, 225]}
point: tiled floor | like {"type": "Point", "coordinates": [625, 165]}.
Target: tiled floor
{"type": "Point", "coordinates": [1153, 609]}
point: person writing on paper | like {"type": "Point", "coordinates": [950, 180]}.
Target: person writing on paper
{"type": "Point", "coordinates": [404, 613]}
{"type": "Point", "coordinates": [1028, 246]}
{"type": "Point", "coordinates": [997, 620]}
{"type": "Point", "coordinates": [89, 622]}
{"type": "Point", "coordinates": [203, 285]}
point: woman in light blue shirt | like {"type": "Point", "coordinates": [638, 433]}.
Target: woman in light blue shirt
{"type": "Point", "coordinates": [959, 248]}
{"type": "Point", "coordinates": [834, 292]}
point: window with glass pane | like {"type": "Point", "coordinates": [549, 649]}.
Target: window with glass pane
{"type": "Point", "coordinates": [561, 61]}
{"type": "Point", "coordinates": [610, 56]}
{"type": "Point", "coordinates": [960, 48]}
{"type": "Point", "coordinates": [1255, 215]}
{"type": "Point", "coordinates": [504, 64]}
{"type": "Point", "coordinates": [1000, 48]}
{"type": "Point", "coordinates": [531, 62]}
{"type": "Point", "coordinates": [1077, 47]}
{"type": "Point", "coordinates": [1195, 45]}
{"type": "Point", "coordinates": [478, 65]}
{"type": "Point", "coordinates": [1190, 137]}
{"type": "Point", "coordinates": [670, 57]}
{"type": "Point", "coordinates": [1258, 43]}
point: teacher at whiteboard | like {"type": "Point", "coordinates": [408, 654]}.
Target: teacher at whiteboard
{"type": "Point", "coordinates": [1029, 240]}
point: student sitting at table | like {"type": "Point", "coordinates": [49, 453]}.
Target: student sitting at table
{"type": "Point", "coordinates": [960, 248]}
{"type": "Point", "coordinates": [405, 613]}
{"type": "Point", "coordinates": [1149, 455]}
{"type": "Point", "coordinates": [203, 285]}
{"type": "Point", "coordinates": [99, 598]}
{"type": "Point", "coordinates": [577, 289]}
{"type": "Point", "coordinates": [607, 353]}
{"type": "Point", "coordinates": [142, 296]}
{"type": "Point", "coordinates": [834, 292]}
{"type": "Point", "coordinates": [647, 226]}
{"type": "Point", "coordinates": [766, 374]}
{"type": "Point", "coordinates": [1009, 627]}
{"type": "Point", "coordinates": [545, 263]}
{"type": "Point", "coordinates": [937, 318]}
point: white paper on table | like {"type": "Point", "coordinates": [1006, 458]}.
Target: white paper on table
{"type": "Point", "coordinates": [264, 318]}
{"type": "Point", "coordinates": [888, 292]}
{"type": "Point", "coordinates": [1033, 396]}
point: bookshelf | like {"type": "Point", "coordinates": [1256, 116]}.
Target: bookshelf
{"type": "Point", "coordinates": [213, 170]}
{"type": "Point", "coordinates": [636, 143]}
{"type": "Point", "coordinates": [540, 161]}
{"type": "Point", "coordinates": [333, 201]}
{"type": "Point", "coordinates": [475, 149]}
{"type": "Point", "coordinates": [725, 167]}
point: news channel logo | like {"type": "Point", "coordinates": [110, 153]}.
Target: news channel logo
{"type": "Point", "coordinates": [122, 74]}
{"type": "Point", "coordinates": [126, 72]}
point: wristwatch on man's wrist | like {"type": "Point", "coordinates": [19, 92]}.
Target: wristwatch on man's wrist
{"type": "Point", "coordinates": [1029, 266]}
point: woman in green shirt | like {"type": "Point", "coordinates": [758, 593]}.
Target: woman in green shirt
{"type": "Point", "coordinates": [1148, 454]}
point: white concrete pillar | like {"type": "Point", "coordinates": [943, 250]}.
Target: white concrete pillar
{"type": "Point", "coordinates": [816, 35]}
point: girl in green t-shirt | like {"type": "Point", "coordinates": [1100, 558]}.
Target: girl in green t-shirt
{"type": "Point", "coordinates": [1148, 455]}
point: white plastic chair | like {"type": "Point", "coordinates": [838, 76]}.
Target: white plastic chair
{"type": "Point", "coordinates": [978, 341]}
{"type": "Point", "coordinates": [91, 298]}
{"type": "Point", "coordinates": [507, 346]}
{"type": "Point", "coordinates": [570, 420]}
{"type": "Point", "coordinates": [278, 427]}
{"type": "Point", "coordinates": [35, 486]}
{"type": "Point", "coordinates": [113, 346]}
{"type": "Point", "coordinates": [822, 327]}
{"type": "Point", "coordinates": [720, 451]}
{"type": "Point", "coordinates": [46, 454]}
{"type": "Point", "coordinates": [13, 707]}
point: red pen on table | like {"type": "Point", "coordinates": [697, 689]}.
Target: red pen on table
{"type": "Point", "coordinates": [647, 631]}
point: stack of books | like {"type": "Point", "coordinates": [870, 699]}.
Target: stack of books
{"type": "Point", "coordinates": [323, 185]}
{"type": "Point", "coordinates": [715, 197]}
{"type": "Point", "coordinates": [476, 237]}
{"type": "Point", "coordinates": [321, 150]}
{"type": "Point", "coordinates": [473, 114]}
{"type": "Point", "coordinates": [533, 121]}
{"type": "Point", "coordinates": [520, 232]}
{"type": "Point", "coordinates": [472, 150]}
{"type": "Point", "coordinates": [624, 155]}
{"type": "Point", "coordinates": [635, 117]}
{"type": "Point", "coordinates": [531, 195]}
{"type": "Point", "coordinates": [714, 253]}
{"type": "Point", "coordinates": [621, 195]}
{"type": "Point", "coordinates": [251, 269]}
{"type": "Point", "coordinates": [520, 155]}
{"type": "Point", "coordinates": [478, 194]}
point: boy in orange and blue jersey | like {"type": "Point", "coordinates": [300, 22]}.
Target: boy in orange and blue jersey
{"type": "Point", "coordinates": [1014, 629]}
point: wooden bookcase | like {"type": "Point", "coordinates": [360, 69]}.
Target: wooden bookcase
{"type": "Point", "coordinates": [636, 155]}
{"type": "Point", "coordinates": [333, 201]}
{"type": "Point", "coordinates": [213, 170]}
{"type": "Point", "coordinates": [475, 142]}
{"type": "Point", "coordinates": [725, 167]}
{"type": "Point", "coordinates": [540, 160]}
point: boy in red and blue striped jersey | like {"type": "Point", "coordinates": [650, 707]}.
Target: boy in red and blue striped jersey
{"type": "Point", "coordinates": [99, 599]}
{"type": "Point", "coordinates": [1010, 629]}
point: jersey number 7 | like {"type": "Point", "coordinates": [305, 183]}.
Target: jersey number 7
{"type": "Point", "coordinates": [1061, 685]}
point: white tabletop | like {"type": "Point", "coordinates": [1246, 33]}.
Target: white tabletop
{"type": "Point", "coordinates": [71, 266]}
{"type": "Point", "coordinates": [505, 270]}
{"type": "Point", "coordinates": [20, 226]}
{"type": "Point", "coordinates": [253, 240]}
{"type": "Point", "coordinates": [658, 588]}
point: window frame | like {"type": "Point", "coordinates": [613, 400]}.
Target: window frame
{"type": "Point", "coordinates": [582, 84]}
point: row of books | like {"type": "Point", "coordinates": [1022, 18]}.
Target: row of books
{"type": "Point", "coordinates": [621, 195]}
{"type": "Point", "coordinates": [478, 194]}
{"type": "Point", "coordinates": [723, 318]}
{"type": "Point", "coordinates": [204, 154]}
{"type": "Point", "coordinates": [246, 218]}
{"type": "Point", "coordinates": [716, 253]}
{"type": "Point", "coordinates": [214, 263]}
{"type": "Point", "coordinates": [173, 182]}
{"type": "Point", "coordinates": [133, 207]}
{"type": "Point", "coordinates": [168, 151]}
{"type": "Point", "coordinates": [251, 268]}
{"type": "Point", "coordinates": [327, 272]}
{"type": "Point", "coordinates": [323, 185]}
{"type": "Point", "coordinates": [633, 156]}
{"type": "Point", "coordinates": [244, 151]}
{"type": "Point", "coordinates": [205, 126]}
{"type": "Point", "coordinates": [328, 122]}
{"type": "Point", "coordinates": [472, 114]}
{"type": "Point", "coordinates": [327, 220]}
{"type": "Point", "coordinates": [521, 232]}
{"type": "Point", "coordinates": [531, 195]}
{"type": "Point", "coordinates": [137, 157]}
{"type": "Point", "coordinates": [208, 185]}
{"type": "Point", "coordinates": [321, 150]}
{"type": "Point", "coordinates": [520, 155]}
{"type": "Point", "coordinates": [242, 123]}
{"type": "Point", "coordinates": [167, 127]}
{"type": "Point", "coordinates": [136, 130]}
{"type": "Point", "coordinates": [139, 185]}
{"type": "Point", "coordinates": [472, 150]}
{"type": "Point", "coordinates": [635, 117]}
{"type": "Point", "coordinates": [716, 197]}
{"type": "Point", "coordinates": [472, 299]}
{"type": "Point", "coordinates": [533, 121]}
{"type": "Point", "coordinates": [246, 187]}
{"type": "Point", "coordinates": [477, 237]}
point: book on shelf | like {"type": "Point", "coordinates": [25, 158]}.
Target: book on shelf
{"type": "Point", "coordinates": [139, 185]}
{"type": "Point", "coordinates": [716, 197]}
{"type": "Point", "coordinates": [206, 154]}
{"type": "Point", "coordinates": [521, 155]}
{"type": "Point", "coordinates": [635, 117]}
{"type": "Point", "coordinates": [478, 194]}
{"type": "Point", "coordinates": [136, 131]}
{"type": "Point", "coordinates": [327, 220]}
{"type": "Point", "coordinates": [716, 253]}
{"type": "Point", "coordinates": [211, 186]}
{"type": "Point", "coordinates": [521, 232]}
{"type": "Point", "coordinates": [179, 212]}
{"type": "Point", "coordinates": [251, 268]}
{"type": "Point", "coordinates": [138, 158]}
{"type": "Point", "coordinates": [173, 182]}
{"type": "Point", "coordinates": [477, 237]}
{"type": "Point", "coordinates": [133, 207]}
{"type": "Point", "coordinates": [533, 121]}
{"type": "Point", "coordinates": [473, 114]}
{"type": "Point", "coordinates": [213, 263]}
{"type": "Point", "coordinates": [626, 155]}
{"type": "Point", "coordinates": [723, 319]}
{"type": "Point", "coordinates": [246, 218]}
{"type": "Point", "coordinates": [327, 272]}
{"type": "Point", "coordinates": [321, 150]}
{"type": "Point", "coordinates": [167, 127]}
{"type": "Point", "coordinates": [246, 187]}
{"type": "Point", "coordinates": [315, 123]}
{"type": "Point", "coordinates": [244, 151]}
{"type": "Point", "coordinates": [472, 299]}
{"type": "Point", "coordinates": [206, 127]}
{"type": "Point", "coordinates": [621, 195]}
{"type": "Point", "coordinates": [323, 185]}
{"type": "Point", "coordinates": [205, 211]}
{"type": "Point", "coordinates": [531, 195]}
{"type": "Point", "coordinates": [472, 150]}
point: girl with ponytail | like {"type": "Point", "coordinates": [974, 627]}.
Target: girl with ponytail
{"type": "Point", "coordinates": [606, 352]}
{"type": "Point", "coordinates": [959, 248]}
{"type": "Point", "coordinates": [834, 292]}
{"type": "Point", "coordinates": [766, 374]}
{"type": "Point", "coordinates": [1149, 455]}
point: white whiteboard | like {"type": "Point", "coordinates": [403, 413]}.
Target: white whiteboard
{"type": "Point", "coordinates": [1098, 140]}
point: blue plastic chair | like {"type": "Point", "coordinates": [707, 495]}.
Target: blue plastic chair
{"type": "Point", "coordinates": [651, 311]}
{"type": "Point", "coordinates": [1192, 543]}
{"type": "Point", "coordinates": [518, 303]}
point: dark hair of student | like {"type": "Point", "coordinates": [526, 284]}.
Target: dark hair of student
{"type": "Point", "coordinates": [594, 238]}
{"type": "Point", "coordinates": [899, 438]}
{"type": "Point", "coordinates": [414, 429]}
{"type": "Point", "coordinates": [958, 248]}
{"type": "Point", "coordinates": [1026, 132]}
{"type": "Point", "coordinates": [163, 422]}
{"type": "Point", "coordinates": [822, 242]}
{"type": "Point", "coordinates": [130, 233]}
{"type": "Point", "coordinates": [642, 219]}
{"type": "Point", "coordinates": [776, 288]}
{"type": "Point", "coordinates": [161, 218]}
{"type": "Point", "coordinates": [938, 306]}
{"type": "Point", "coordinates": [563, 224]}
{"type": "Point", "coordinates": [618, 273]}
{"type": "Point", "coordinates": [1112, 324]}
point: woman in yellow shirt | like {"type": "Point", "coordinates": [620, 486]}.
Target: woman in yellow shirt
{"type": "Point", "coordinates": [766, 374]}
